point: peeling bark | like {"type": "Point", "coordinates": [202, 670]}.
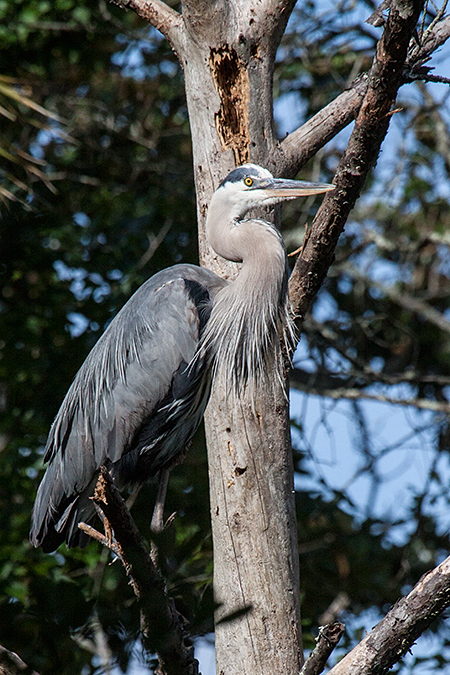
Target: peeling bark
{"type": "Point", "coordinates": [230, 78]}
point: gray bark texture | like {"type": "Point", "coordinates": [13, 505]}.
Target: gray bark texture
{"type": "Point", "coordinates": [228, 74]}
{"type": "Point", "coordinates": [249, 454]}
{"type": "Point", "coordinates": [251, 472]}
{"type": "Point", "coordinates": [227, 51]}
{"type": "Point", "coordinates": [394, 635]}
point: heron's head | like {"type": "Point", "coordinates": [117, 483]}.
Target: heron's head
{"type": "Point", "coordinates": [250, 186]}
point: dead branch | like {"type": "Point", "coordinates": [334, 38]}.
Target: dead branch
{"type": "Point", "coordinates": [158, 14]}
{"type": "Point", "coordinates": [371, 125]}
{"type": "Point", "coordinates": [433, 38]}
{"type": "Point", "coordinates": [12, 664]}
{"type": "Point", "coordinates": [357, 394]}
{"type": "Point", "coordinates": [442, 131]}
{"type": "Point", "coordinates": [101, 538]}
{"type": "Point", "coordinates": [402, 298]}
{"type": "Point", "coordinates": [326, 641]}
{"type": "Point", "coordinates": [162, 627]}
{"type": "Point", "coordinates": [361, 374]}
{"type": "Point", "coordinates": [303, 143]}
{"type": "Point", "coordinates": [394, 635]}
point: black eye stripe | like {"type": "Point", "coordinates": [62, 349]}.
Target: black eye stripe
{"type": "Point", "coordinates": [239, 174]}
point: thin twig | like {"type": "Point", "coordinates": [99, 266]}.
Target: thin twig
{"type": "Point", "coordinates": [354, 394]}
{"type": "Point", "coordinates": [402, 298]}
{"type": "Point", "coordinates": [98, 536]}
{"type": "Point", "coordinates": [153, 243]}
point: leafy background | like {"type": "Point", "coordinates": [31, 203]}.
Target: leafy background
{"type": "Point", "coordinates": [97, 194]}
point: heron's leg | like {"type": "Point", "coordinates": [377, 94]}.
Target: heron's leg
{"type": "Point", "coordinates": [157, 523]}
{"type": "Point", "coordinates": [133, 496]}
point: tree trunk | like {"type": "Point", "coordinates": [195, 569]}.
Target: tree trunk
{"type": "Point", "coordinates": [229, 92]}
{"type": "Point", "coordinates": [255, 546]}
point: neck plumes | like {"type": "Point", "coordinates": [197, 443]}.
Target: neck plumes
{"type": "Point", "coordinates": [251, 314]}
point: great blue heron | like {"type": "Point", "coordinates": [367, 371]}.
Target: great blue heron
{"type": "Point", "coordinates": [142, 391]}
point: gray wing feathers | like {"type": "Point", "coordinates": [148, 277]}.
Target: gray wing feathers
{"type": "Point", "coordinates": [128, 372]}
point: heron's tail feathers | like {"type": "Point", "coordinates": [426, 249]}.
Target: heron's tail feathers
{"type": "Point", "coordinates": [55, 516]}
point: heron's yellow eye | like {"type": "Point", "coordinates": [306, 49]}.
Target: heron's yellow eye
{"type": "Point", "coordinates": [248, 181]}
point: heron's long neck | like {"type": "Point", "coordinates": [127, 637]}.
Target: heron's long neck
{"type": "Point", "coordinates": [262, 282]}
{"type": "Point", "coordinates": [242, 334]}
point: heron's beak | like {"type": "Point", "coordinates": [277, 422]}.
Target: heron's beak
{"type": "Point", "coordinates": [280, 188]}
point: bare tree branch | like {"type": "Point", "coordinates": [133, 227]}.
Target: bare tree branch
{"type": "Point", "coordinates": [12, 664]}
{"type": "Point", "coordinates": [376, 18]}
{"type": "Point", "coordinates": [326, 641]}
{"type": "Point", "coordinates": [304, 142]}
{"type": "Point", "coordinates": [433, 38]}
{"type": "Point", "coordinates": [162, 628]}
{"type": "Point", "coordinates": [158, 14]}
{"type": "Point", "coordinates": [371, 126]}
{"type": "Point", "coordinates": [267, 18]}
{"type": "Point", "coordinates": [339, 604]}
{"type": "Point", "coordinates": [403, 299]}
{"type": "Point", "coordinates": [356, 394]}
{"type": "Point", "coordinates": [101, 538]}
{"type": "Point", "coordinates": [442, 132]}
{"type": "Point", "coordinates": [394, 635]}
